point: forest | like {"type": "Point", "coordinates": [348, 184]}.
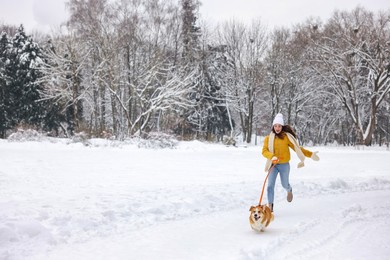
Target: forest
{"type": "Point", "coordinates": [120, 69]}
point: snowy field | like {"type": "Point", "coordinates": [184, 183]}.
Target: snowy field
{"type": "Point", "coordinates": [107, 201]}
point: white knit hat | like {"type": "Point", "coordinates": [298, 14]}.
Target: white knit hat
{"type": "Point", "coordinates": [278, 119]}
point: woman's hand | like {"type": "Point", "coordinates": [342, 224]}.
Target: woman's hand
{"type": "Point", "coordinates": [315, 157]}
{"type": "Point", "coordinates": [275, 160]}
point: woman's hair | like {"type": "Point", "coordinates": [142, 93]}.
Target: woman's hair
{"type": "Point", "coordinates": [285, 129]}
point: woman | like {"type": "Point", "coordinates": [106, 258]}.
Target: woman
{"type": "Point", "coordinates": [276, 150]}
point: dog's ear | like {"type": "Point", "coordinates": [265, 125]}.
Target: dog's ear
{"type": "Point", "coordinates": [252, 207]}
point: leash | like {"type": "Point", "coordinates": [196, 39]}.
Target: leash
{"type": "Point", "coordinates": [265, 181]}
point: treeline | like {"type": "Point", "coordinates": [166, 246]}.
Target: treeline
{"type": "Point", "coordinates": [125, 68]}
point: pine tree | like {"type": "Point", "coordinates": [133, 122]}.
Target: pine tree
{"type": "Point", "coordinates": [27, 60]}
{"type": "Point", "coordinates": [190, 31]}
{"type": "Point", "coordinates": [190, 65]}
{"type": "Point", "coordinates": [4, 98]}
{"type": "Point", "coordinates": [208, 117]}
{"type": "Point", "coordinates": [20, 95]}
{"type": "Point", "coordinates": [216, 69]}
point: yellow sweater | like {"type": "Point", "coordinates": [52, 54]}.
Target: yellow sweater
{"type": "Point", "coordinates": [281, 149]}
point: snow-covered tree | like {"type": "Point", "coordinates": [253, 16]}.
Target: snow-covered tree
{"type": "Point", "coordinates": [62, 85]}
{"type": "Point", "coordinates": [4, 90]}
{"type": "Point", "coordinates": [245, 50]}
{"type": "Point", "coordinates": [291, 86]}
{"type": "Point", "coordinates": [131, 73]}
{"type": "Point", "coordinates": [354, 62]}
{"type": "Point", "coordinates": [212, 99]}
{"type": "Point", "coordinates": [20, 72]}
{"type": "Point", "coordinates": [91, 24]}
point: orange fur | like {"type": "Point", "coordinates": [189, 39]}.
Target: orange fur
{"type": "Point", "coordinates": [260, 217]}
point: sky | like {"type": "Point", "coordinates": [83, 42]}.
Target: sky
{"type": "Point", "coordinates": [35, 15]}
{"type": "Point", "coordinates": [282, 12]}
{"type": "Point", "coordinates": [45, 15]}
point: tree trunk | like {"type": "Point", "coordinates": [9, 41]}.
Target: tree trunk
{"type": "Point", "coordinates": [250, 122]}
{"type": "Point", "coordinates": [372, 124]}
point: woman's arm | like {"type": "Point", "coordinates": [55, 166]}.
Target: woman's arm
{"type": "Point", "coordinates": [266, 153]}
{"type": "Point", "coordinates": [305, 152]}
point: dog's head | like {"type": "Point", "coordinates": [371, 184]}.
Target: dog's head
{"type": "Point", "coordinates": [257, 212]}
{"type": "Point", "coordinates": [260, 211]}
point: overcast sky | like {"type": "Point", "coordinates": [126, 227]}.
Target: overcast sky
{"type": "Point", "coordinates": [44, 14]}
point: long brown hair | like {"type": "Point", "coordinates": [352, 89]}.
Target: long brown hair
{"type": "Point", "coordinates": [285, 129]}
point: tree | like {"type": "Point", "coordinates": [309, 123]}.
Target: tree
{"type": "Point", "coordinates": [354, 63]}
{"type": "Point", "coordinates": [190, 63]}
{"type": "Point", "coordinates": [4, 90]}
{"type": "Point", "coordinates": [20, 90]}
{"type": "Point", "coordinates": [294, 90]}
{"type": "Point", "coordinates": [255, 48]}
{"type": "Point", "coordinates": [91, 25]}
{"type": "Point", "coordinates": [218, 68]}
{"type": "Point", "coordinates": [62, 85]}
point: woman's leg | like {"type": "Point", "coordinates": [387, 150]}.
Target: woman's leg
{"type": "Point", "coordinates": [271, 185]}
{"type": "Point", "coordinates": [284, 170]}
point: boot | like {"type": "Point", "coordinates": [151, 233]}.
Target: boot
{"type": "Point", "coordinates": [289, 196]}
{"type": "Point", "coordinates": [271, 206]}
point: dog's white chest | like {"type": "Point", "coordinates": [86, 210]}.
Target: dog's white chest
{"type": "Point", "coordinates": [258, 226]}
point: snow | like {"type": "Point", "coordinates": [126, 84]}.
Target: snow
{"type": "Point", "coordinates": [107, 200]}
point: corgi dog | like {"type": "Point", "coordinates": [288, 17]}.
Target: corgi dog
{"type": "Point", "coordinates": [260, 217]}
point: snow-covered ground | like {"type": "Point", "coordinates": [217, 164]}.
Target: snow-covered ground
{"type": "Point", "coordinates": [61, 200]}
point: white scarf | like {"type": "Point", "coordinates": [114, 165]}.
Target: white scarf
{"type": "Point", "coordinates": [297, 149]}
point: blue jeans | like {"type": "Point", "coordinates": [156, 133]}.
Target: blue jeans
{"type": "Point", "coordinates": [284, 170]}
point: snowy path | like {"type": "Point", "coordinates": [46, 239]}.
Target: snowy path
{"type": "Point", "coordinates": [298, 232]}
{"type": "Point", "coordinates": [61, 201]}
